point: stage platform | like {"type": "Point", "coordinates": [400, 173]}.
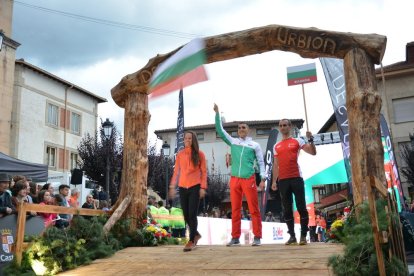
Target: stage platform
{"type": "Point", "coordinates": [310, 259]}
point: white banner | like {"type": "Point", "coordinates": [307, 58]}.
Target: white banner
{"type": "Point", "coordinates": [217, 231]}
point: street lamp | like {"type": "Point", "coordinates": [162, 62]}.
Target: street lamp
{"type": "Point", "coordinates": [166, 153]}
{"type": "Point", "coordinates": [107, 128]}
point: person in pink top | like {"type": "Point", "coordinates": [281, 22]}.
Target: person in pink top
{"type": "Point", "coordinates": [44, 198]}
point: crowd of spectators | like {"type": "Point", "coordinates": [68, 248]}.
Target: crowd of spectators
{"type": "Point", "coordinates": [19, 189]}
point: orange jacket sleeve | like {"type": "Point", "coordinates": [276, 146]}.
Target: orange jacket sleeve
{"type": "Point", "coordinates": [203, 168]}
{"type": "Point", "coordinates": [174, 178]}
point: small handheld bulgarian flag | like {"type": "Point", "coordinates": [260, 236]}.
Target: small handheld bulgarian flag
{"type": "Point", "coordinates": [301, 74]}
{"type": "Point", "coordinates": [182, 69]}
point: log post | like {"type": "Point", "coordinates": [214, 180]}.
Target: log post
{"type": "Point", "coordinates": [116, 215]}
{"type": "Point", "coordinates": [370, 183]}
{"type": "Point", "coordinates": [363, 106]}
{"type": "Point", "coordinates": [21, 224]}
{"type": "Point", "coordinates": [135, 159]}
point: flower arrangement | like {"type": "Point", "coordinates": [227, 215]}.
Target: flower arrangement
{"type": "Point", "coordinates": [152, 234]}
{"type": "Point", "coordinates": [335, 233]}
{"type": "Point", "coordinates": [156, 229]}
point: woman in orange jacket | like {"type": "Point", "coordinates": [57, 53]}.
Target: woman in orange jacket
{"type": "Point", "coordinates": [190, 173]}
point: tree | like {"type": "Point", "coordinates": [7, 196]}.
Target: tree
{"type": "Point", "coordinates": [216, 190]}
{"type": "Point", "coordinates": [157, 170]}
{"type": "Point", "coordinates": [93, 150]}
{"type": "Point", "coordinates": [407, 154]}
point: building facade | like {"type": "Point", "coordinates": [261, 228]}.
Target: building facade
{"type": "Point", "coordinates": [398, 109]}
{"type": "Point", "coordinates": [42, 117]}
{"type": "Point", "coordinates": [7, 58]}
{"type": "Point", "coordinates": [398, 105]}
{"type": "Point", "coordinates": [49, 117]}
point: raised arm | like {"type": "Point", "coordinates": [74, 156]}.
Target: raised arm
{"type": "Point", "coordinates": [219, 128]}
{"type": "Point", "coordinates": [309, 148]}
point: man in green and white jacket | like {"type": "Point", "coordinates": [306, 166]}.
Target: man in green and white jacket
{"type": "Point", "coordinates": [244, 153]}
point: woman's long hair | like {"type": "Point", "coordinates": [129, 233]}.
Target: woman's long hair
{"type": "Point", "coordinates": [195, 157]}
{"type": "Point", "coordinates": [41, 196]}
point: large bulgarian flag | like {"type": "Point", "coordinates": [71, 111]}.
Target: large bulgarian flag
{"type": "Point", "coordinates": [301, 74]}
{"type": "Point", "coordinates": [182, 69]}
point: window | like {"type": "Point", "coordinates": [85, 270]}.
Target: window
{"type": "Point", "coordinates": [51, 156]}
{"type": "Point", "coordinates": [403, 109]}
{"type": "Point", "coordinates": [73, 161]}
{"type": "Point", "coordinates": [200, 136]}
{"type": "Point", "coordinates": [52, 114]}
{"type": "Point", "coordinates": [263, 131]}
{"type": "Point", "coordinates": [75, 123]}
{"type": "Point", "coordinates": [234, 134]}
{"type": "Point", "coordinates": [231, 133]}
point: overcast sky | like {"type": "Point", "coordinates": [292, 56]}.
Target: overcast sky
{"type": "Point", "coordinates": [63, 38]}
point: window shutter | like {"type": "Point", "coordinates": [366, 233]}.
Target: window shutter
{"type": "Point", "coordinates": [62, 118]}
{"type": "Point", "coordinates": [67, 119]}
{"type": "Point", "coordinates": [60, 158]}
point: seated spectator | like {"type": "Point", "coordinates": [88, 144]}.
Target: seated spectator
{"type": "Point", "coordinates": [62, 220]}
{"type": "Point", "coordinates": [44, 198]}
{"type": "Point", "coordinates": [34, 191]}
{"type": "Point", "coordinates": [104, 206]}
{"type": "Point", "coordinates": [6, 205]}
{"type": "Point", "coordinates": [19, 192]}
{"type": "Point", "coordinates": [90, 202]}
{"type": "Point", "coordinates": [61, 200]}
{"type": "Point", "coordinates": [73, 200]}
{"type": "Point", "coordinates": [16, 178]}
{"type": "Point", "coordinates": [49, 187]}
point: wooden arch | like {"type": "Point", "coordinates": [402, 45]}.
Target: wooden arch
{"type": "Point", "coordinates": [359, 51]}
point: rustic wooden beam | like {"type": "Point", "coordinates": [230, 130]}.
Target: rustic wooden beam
{"type": "Point", "coordinates": [370, 181]}
{"type": "Point", "coordinates": [135, 158]}
{"type": "Point", "coordinates": [117, 214]}
{"type": "Point", "coordinates": [380, 187]}
{"type": "Point", "coordinates": [21, 224]}
{"type": "Point", "coordinates": [363, 106]}
{"type": "Point", "coordinates": [307, 42]}
{"type": "Point", "coordinates": [62, 210]}
{"type": "Point", "coordinates": [22, 210]}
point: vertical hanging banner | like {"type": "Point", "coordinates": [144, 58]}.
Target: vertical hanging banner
{"type": "Point", "coordinates": [390, 163]}
{"type": "Point", "coordinates": [301, 74]}
{"type": "Point", "coordinates": [334, 74]}
{"type": "Point", "coordinates": [179, 142]}
{"type": "Point", "coordinates": [335, 78]}
{"type": "Point", "coordinates": [268, 158]}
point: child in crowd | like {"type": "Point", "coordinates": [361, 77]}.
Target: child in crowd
{"type": "Point", "coordinates": [44, 198]}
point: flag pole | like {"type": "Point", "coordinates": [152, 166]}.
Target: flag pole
{"type": "Point", "coordinates": [304, 104]}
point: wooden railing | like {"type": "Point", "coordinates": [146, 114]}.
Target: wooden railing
{"type": "Point", "coordinates": [22, 210]}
